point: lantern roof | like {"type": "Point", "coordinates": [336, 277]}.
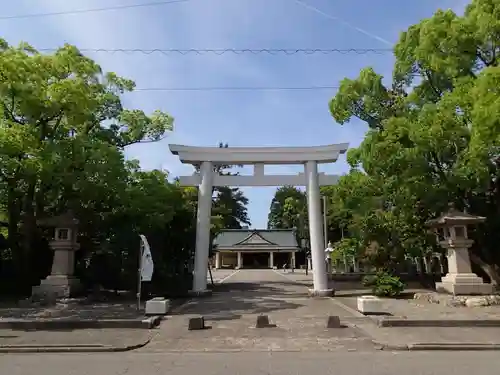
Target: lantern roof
{"type": "Point", "coordinates": [64, 220]}
{"type": "Point", "coordinates": [454, 217]}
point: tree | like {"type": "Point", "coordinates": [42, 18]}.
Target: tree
{"type": "Point", "coordinates": [287, 205]}
{"type": "Point", "coordinates": [230, 205]}
{"type": "Point", "coordinates": [62, 133]}
{"type": "Point", "coordinates": [432, 133]}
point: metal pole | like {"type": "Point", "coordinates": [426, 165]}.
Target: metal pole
{"type": "Point", "coordinates": [139, 281]}
{"type": "Point", "coordinates": [325, 226]}
{"type": "Point", "coordinates": [210, 272]}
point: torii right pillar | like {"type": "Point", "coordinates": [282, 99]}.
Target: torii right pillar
{"type": "Point", "coordinates": [320, 277]}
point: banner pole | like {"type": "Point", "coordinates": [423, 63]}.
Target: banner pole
{"type": "Point", "coordinates": [139, 283]}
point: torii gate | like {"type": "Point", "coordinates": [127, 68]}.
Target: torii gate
{"type": "Point", "coordinates": [206, 179]}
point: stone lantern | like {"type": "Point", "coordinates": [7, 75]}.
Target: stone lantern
{"type": "Point", "coordinates": [451, 228]}
{"type": "Point", "coordinates": [61, 282]}
{"type": "Point", "coordinates": [328, 257]}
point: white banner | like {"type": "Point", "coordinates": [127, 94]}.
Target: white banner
{"type": "Point", "coordinates": [147, 266]}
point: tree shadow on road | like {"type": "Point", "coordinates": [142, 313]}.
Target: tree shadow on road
{"type": "Point", "coordinates": [231, 300]}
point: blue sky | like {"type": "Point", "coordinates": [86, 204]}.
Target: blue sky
{"type": "Point", "coordinates": [240, 118]}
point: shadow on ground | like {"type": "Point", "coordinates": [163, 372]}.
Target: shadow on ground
{"type": "Point", "coordinates": [231, 300]}
{"type": "Point", "coordinates": [73, 311]}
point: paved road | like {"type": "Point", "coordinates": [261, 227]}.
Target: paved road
{"type": "Point", "coordinates": [232, 313]}
{"type": "Point", "coordinates": [235, 304]}
{"type": "Point", "coordinates": [374, 363]}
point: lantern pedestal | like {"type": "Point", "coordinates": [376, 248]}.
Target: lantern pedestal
{"type": "Point", "coordinates": [58, 286]}
{"type": "Point", "coordinates": [460, 280]}
{"type": "Point", "coordinates": [463, 284]}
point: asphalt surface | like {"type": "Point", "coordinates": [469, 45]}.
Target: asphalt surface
{"type": "Point", "coordinates": [338, 363]}
{"type": "Point", "coordinates": [232, 311]}
{"type": "Point", "coordinates": [246, 295]}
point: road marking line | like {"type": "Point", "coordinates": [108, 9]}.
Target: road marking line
{"type": "Point", "coordinates": [287, 277]}
{"type": "Point", "coordinates": [191, 300]}
{"type": "Point", "coordinates": [348, 309]}
{"type": "Point", "coordinates": [227, 277]}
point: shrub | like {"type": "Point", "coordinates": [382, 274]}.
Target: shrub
{"type": "Point", "coordinates": [384, 284]}
{"type": "Point", "coordinates": [369, 280]}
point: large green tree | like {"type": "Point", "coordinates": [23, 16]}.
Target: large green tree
{"type": "Point", "coordinates": [230, 204]}
{"type": "Point", "coordinates": [288, 208]}
{"type": "Point", "coordinates": [433, 134]}
{"type": "Point", "coordinates": [63, 131]}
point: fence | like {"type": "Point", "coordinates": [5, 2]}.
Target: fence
{"type": "Point", "coordinates": [433, 265]}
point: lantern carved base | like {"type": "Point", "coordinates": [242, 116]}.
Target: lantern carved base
{"type": "Point", "coordinates": [463, 284]}
{"type": "Point", "coordinates": [58, 286]}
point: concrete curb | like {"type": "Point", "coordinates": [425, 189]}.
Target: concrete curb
{"type": "Point", "coordinates": [446, 323]}
{"type": "Point", "coordinates": [62, 324]}
{"type": "Point", "coordinates": [388, 322]}
{"type": "Point", "coordinates": [4, 349]}
{"type": "Point", "coordinates": [443, 346]}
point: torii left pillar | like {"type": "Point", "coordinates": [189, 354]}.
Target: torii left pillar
{"type": "Point", "coordinates": [203, 229]}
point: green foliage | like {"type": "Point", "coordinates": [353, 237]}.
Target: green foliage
{"type": "Point", "coordinates": [432, 138]}
{"type": "Point", "coordinates": [384, 284]}
{"type": "Point", "coordinates": [230, 205]}
{"type": "Point", "coordinates": [349, 247]}
{"type": "Point", "coordinates": [288, 209]}
{"type": "Point", "coordinates": [63, 132]}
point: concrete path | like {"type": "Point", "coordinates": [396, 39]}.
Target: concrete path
{"type": "Point", "coordinates": [340, 363]}
{"type": "Point", "coordinates": [233, 309]}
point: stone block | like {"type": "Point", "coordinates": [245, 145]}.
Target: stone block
{"type": "Point", "coordinates": [157, 306]}
{"type": "Point", "coordinates": [370, 305]}
{"type": "Point", "coordinates": [263, 322]}
{"type": "Point", "coordinates": [196, 323]}
{"type": "Point", "coordinates": [333, 322]}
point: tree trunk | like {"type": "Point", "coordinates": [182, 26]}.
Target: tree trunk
{"type": "Point", "coordinates": [13, 217]}
{"type": "Point", "coordinates": [28, 231]}
{"type": "Point", "coordinates": [491, 270]}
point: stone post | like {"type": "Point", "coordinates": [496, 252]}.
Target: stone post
{"type": "Point", "coordinates": [61, 283]}
{"type": "Point", "coordinates": [218, 260]}
{"type": "Point", "coordinates": [355, 265]}
{"type": "Point", "coordinates": [292, 260]}
{"type": "Point", "coordinates": [240, 260]}
{"type": "Point", "coordinates": [271, 259]}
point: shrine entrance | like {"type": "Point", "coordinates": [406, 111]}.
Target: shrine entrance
{"type": "Point", "coordinates": [206, 179]}
{"type": "Point", "coordinates": [255, 248]}
{"type": "Point", "coordinates": [255, 260]}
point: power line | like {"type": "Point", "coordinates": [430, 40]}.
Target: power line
{"type": "Point", "coordinates": [344, 22]}
{"type": "Point", "coordinates": [270, 51]}
{"type": "Point", "coordinates": [238, 88]}
{"type": "Point", "coordinates": [91, 10]}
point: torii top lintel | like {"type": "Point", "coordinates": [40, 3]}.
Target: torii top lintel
{"type": "Point", "coordinates": [259, 155]}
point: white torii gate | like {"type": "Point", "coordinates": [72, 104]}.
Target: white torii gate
{"type": "Point", "coordinates": [206, 179]}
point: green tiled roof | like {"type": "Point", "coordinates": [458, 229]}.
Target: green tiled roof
{"type": "Point", "coordinates": [275, 237]}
